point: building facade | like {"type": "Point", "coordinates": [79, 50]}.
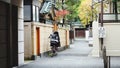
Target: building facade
{"type": "Point", "coordinates": [111, 25]}
{"type": "Point", "coordinates": [38, 24]}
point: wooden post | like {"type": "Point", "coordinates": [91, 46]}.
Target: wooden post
{"type": "Point", "coordinates": [55, 26]}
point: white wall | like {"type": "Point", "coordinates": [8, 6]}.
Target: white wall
{"type": "Point", "coordinates": [96, 46]}
{"type": "Point", "coordinates": [112, 39]}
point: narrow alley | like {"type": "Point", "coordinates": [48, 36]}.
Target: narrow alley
{"type": "Point", "coordinates": [28, 29]}
{"type": "Point", "coordinates": [77, 56]}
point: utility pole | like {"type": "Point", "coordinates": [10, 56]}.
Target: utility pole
{"type": "Point", "coordinates": [103, 48]}
{"type": "Point", "coordinates": [101, 21]}
{"type": "Point", "coordinates": [101, 13]}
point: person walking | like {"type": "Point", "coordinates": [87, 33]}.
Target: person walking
{"type": "Point", "coordinates": [54, 42]}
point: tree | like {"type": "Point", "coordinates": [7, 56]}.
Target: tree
{"type": "Point", "coordinates": [72, 7]}
{"type": "Point", "coordinates": [85, 11]}
{"type": "Point", "coordinates": [88, 11]}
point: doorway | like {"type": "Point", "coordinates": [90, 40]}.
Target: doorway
{"type": "Point", "coordinates": [80, 32]}
{"type": "Point", "coordinates": [38, 41]}
{"type": "Point", "coordinates": [8, 35]}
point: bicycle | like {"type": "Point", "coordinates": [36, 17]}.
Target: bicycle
{"type": "Point", "coordinates": [53, 51]}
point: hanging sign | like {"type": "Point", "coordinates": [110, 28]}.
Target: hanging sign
{"type": "Point", "coordinates": [102, 33]}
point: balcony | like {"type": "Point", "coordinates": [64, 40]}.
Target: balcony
{"type": "Point", "coordinates": [110, 18]}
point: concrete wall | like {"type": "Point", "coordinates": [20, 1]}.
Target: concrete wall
{"type": "Point", "coordinates": [45, 30]}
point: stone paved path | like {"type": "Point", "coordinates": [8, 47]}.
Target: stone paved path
{"type": "Point", "coordinates": [77, 56]}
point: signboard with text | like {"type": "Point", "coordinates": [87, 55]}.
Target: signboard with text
{"type": "Point", "coordinates": [102, 33]}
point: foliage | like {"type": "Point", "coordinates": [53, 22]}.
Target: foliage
{"type": "Point", "coordinates": [72, 7]}
{"type": "Point", "coordinates": [88, 11]}
{"type": "Point", "coordinates": [85, 12]}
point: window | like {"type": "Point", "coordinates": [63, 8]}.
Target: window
{"type": "Point", "coordinates": [35, 13]}
{"type": "Point", "coordinates": [27, 12]}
